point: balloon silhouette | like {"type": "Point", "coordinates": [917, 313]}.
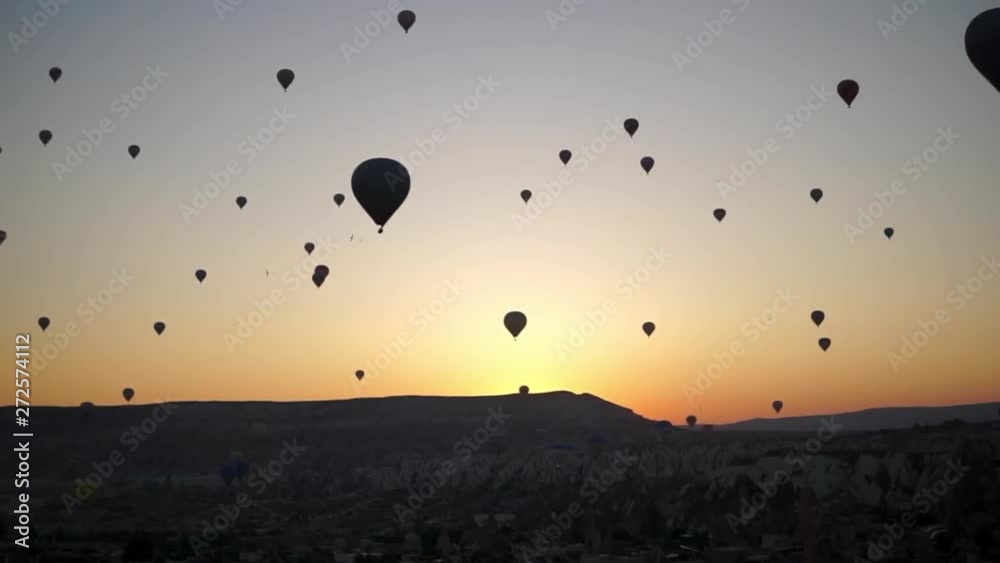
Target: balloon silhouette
{"type": "Point", "coordinates": [648, 328]}
{"type": "Point", "coordinates": [720, 214]}
{"type": "Point", "coordinates": [406, 19]}
{"type": "Point", "coordinates": [647, 163]}
{"type": "Point", "coordinates": [380, 185]}
{"type": "Point", "coordinates": [824, 343]}
{"type": "Point", "coordinates": [3, 236]}
{"type": "Point", "coordinates": [816, 194]}
{"type": "Point", "coordinates": [338, 199]}
{"type": "Point", "coordinates": [43, 323]}
{"type": "Point", "coordinates": [515, 321]}
{"type": "Point", "coordinates": [285, 78]}
{"type": "Point", "coordinates": [241, 201]}
{"type": "Point", "coordinates": [848, 90]}
{"type": "Point", "coordinates": [320, 274]}
{"type": "Point", "coordinates": [565, 155]}
{"type": "Point", "coordinates": [692, 420]}
{"type": "Point", "coordinates": [526, 195]}
{"type": "Point", "coordinates": [631, 126]}
{"type": "Point", "coordinates": [817, 317]}
{"type": "Point", "coordinates": [133, 151]}
{"type": "Point", "coordinates": [889, 231]}
{"type": "Point", "coordinates": [523, 390]}
{"type": "Point", "coordinates": [359, 375]}
{"type": "Point", "coordinates": [55, 73]}
{"type": "Point", "coordinates": [45, 136]}
{"type": "Point", "coordinates": [200, 275]}
{"type": "Point", "coordinates": [159, 327]}
{"type": "Point", "coordinates": [310, 247]}
{"type": "Point", "coordinates": [982, 45]}
{"type": "Point", "coordinates": [128, 393]}
{"type": "Point", "coordinates": [86, 405]}
{"type": "Point", "coordinates": [777, 406]}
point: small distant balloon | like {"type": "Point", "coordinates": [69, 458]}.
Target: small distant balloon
{"type": "Point", "coordinates": [631, 126]}
{"type": "Point", "coordinates": [320, 274]}
{"type": "Point", "coordinates": [648, 327]}
{"type": "Point", "coordinates": [159, 327]}
{"type": "Point", "coordinates": [692, 420]}
{"type": "Point", "coordinates": [133, 151]}
{"type": "Point", "coordinates": [310, 247]}
{"type": "Point", "coordinates": [848, 90]}
{"type": "Point", "coordinates": [523, 390]}
{"type": "Point", "coordinates": [817, 317]}
{"type": "Point", "coordinates": [982, 45]}
{"type": "Point", "coordinates": [406, 19]}
{"type": "Point", "coordinates": [128, 393]}
{"type": "Point", "coordinates": [515, 321]}
{"type": "Point", "coordinates": [285, 78]}
{"type": "Point", "coordinates": [3, 236]}
{"type": "Point", "coordinates": [526, 195]}
{"type": "Point", "coordinates": [360, 374]}
{"type": "Point", "coordinates": [816, 194]}
{"type": "Point", "coordinates": [720, 214]}
{"type": "Point", "coordinates": [86, 405]}
{"type": "Point", "coordinates": [45, 136]}
{"type": "Point", "coordinates": [200, 275]}
{"type": "Point", "coordinates": [565, 155]}
{"type": "Point", "coordinates": [889, 231]}
{"type": "Point", "coordinates": [824, 343]}
{"type": "Point", "coordinates": [43, 323]}
{"type": "Point", "coordinates": [55, 73]}
{"type": "Point", "coordinates": [647, 163]}
{"type": "Point", "coordinates": [338, 199]}
{"type": "Point", "coordinates": [777, 406]}
{"type": "Point", "coordinates": [241, 201]}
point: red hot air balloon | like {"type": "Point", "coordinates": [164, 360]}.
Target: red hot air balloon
{"type": "Point", "coordinates": [848, 90]}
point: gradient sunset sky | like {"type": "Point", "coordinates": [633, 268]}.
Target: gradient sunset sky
{"type": "Point", "coordinates": [552, 89]}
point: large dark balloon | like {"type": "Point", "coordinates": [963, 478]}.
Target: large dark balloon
{"type": "Point", "coordinates": [406, 19]}
{"type": "Point", "coordinates": [824, 343]}
{"type": "Point", "coordinates": [565, 155]}
{"type": "Point", "coordinates": [816, 194]}
{"type": "Point", "coordinates": [320, 274]}
{"type": "Point", "coordinates": [720, 214]}
{"type": "Point", "coordinates": [55, 73]}
{"type": "Point", "coordinates": [631, 126]}
{"type": "Point", "coordinates": [515, 321]}
{"type": "Point", "coordinates": [159, 327]}
{"type": "Point", "coordinates": [647, 163]}
{"type": "Point", "coordinates": [133, 151]}
{"type": "Point", "coordinates": [817, 317]}
{"type": "Point", "coordinates": [310, 247]}
{"type": "Point", "coordinates": [692, 420]}
{"type": "Point", "coordinates": [3, 236]}
{"type": "Point", "coordinates": [380, 185]}
{"type": "Point", "coordinates": [848, 90]}
{"type": "Point", "coordinates": [648, 327]}
{"type": "Point", "coordinates": [241, 201]}
{"type": "Point", "coordinates": [889, 231]}
{"type": "Point", "coordinates": [526, 195]}
{"type": "Point", "coordinates": [128, 393]}
{"type": "Point", "coordinates": [45, 136]}
{"type": "Point", "coordinates": [360, 374]}
{"type": "Point", "coordinates": [523, 390]}
{"type": "Point", "coordinates": [777, 406]}
{"type": "Point", "coordinates": [200, 275]}
{"type": "Point", "coordinates": [43, 323]}
{"type": "Point", "coordinates": [338, 199]}
{"type": "Point", "coordinates": [285, 78]}
{"type": "Point", "coordinates": [982, 45]}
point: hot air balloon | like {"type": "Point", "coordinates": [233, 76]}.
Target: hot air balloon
{"type": "Point", "coordinates": [133, 151]}
{"type": "Point", "coordinates": [515, 321]}
{"type": "Point", "coordinates": [3, 236]}
{"type": "Point", "coordinates": [631, 126]}
{"type": "Point", "coordinates": [44, 323]}
{"type": "Point", "coordinates": [647, 163]}
{"type": "Point", "coordinates": [982, 45]}
{"type": "Point", "coordinates": [816, 194]}
{"type": "Point", "coordinates": [45, 136]}
{"type": "Point", "coordinates": [241, 201]}
{"type": "Point", "coordinates": [359, 375]}
{"type": "Point", "coordinates": [285, 78]}
{"type": "Point", "coordinates": [692, 420]}
{"type": "Point", "coordinates": [128, 393]}
{"type": "Point", "coordinates": [817, 317]}
{"type": "Point", "coordinates": [86, 405]}
{"type": "Point", "coordinates": [889, 231]}
{"type": "Point", "coordinates": [310, 247]}
{"type": "Point", "coordinates": [55, 73]}
{"type": "Point", "coordinates": [720, 214]}
{"type": "Point", "coordinates": [565, 155]}
{"type": "Point", "coordinates": [159, 327]}
{"type": "Point", "coordinates": [200, 275]}
{"type": "Point", "coordinates": [406, 19]}
{"type": "Point", "coordinates": [227, 473]}
{"type": "Point", "coordinates": [648, 327]}
{"type": "Point", "coordinates": [526, 195]}
{"type": "Point", "coordinates": [848, 90]}
{"type": "Point", "coordinates": [380, 185]}
{"type": "Point", "coordinates": [523, 390]}
{"type": "Point", "coordinates": [777, 406]}
{"type": "Point", "coordinates": [338, 199]}
{"type": "Point", "coordinates": [320, 274]}
{"type": "Point", "coordinates": [824, 343]}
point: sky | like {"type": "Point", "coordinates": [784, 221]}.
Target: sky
{"type": "Point", "coordinates": [477, 100]}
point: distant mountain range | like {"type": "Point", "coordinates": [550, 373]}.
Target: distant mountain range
{"type": "Point", "coordinates": [874, 419]}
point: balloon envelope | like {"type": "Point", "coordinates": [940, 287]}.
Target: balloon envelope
{"type": "Point", "coordinates": [45, 136]}
{"type": "Point", "coordinates": [320, 274]}
{"type": "Point", "coordinates": [692, 420]}
{"type": "Point", "coordinates": [380, 185]}
{"type": "Point", "coordinates": [648, 327]}
{"type": "Point", "coordinates": [128, 393]}
{"type": "Point", "coordinates": [159, 327]}
{"type": "Point", "coordinates": [631, 126]}
{"type": "Point", "coordinates": [523, 390]}
{"type": "Point", "coordinates": [515, 321]}
{"type": "Point", "coordinates": [526, 195]}
{"type": "Point", "coordinates": [310, 247]}
{"type": "Point", "coordinates": [565, 155]}
{"type": "Point", "coordinates": [133, 151]}
{"type": "Point", "coordinates": [817, 317]}
{"type": "Point", "coordinates": [3, 236]}
{"type": "Point", "coordinates": [982, 45]}
{"type": "Point", "coordinates": [777, 406]}
{"type": "Point", "coordinates": [55, 73]}
{"type": "Point", "coordinates": [241, 201]}
{"type": "Point", "coordinates": [200, 275]}
{"type": "Point", "coordinates": [889, 231]}
{"type": "Point", "coordinates": [43, 322]}
{"type": "Point", "coordinates": [285, 78]}
{"type": "Point", "coordinates": [720, 214]}
{"type": "Point", "coordinates": [824, 343]}
{"type": "Point", "coordinates": [338, 199]}
{"type": "Point", "coordinates": [816, 194]}
{"type": "Point", "coordinates": [647, 163]}
{"type": "Point", "coordinates": [406, 19]}
{"type": "Point", "coordinates": [848, 90]}
{"type": "Point", "coordinates": [359, 375]}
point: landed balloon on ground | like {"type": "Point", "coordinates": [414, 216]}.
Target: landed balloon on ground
{"type": "Point", "coordinates": [648, 327]}
{"type": "Point", "coordinates": [285, 78]}
{"type": "Point", "coordinates": [982, 45]}
{"type": "Point", "coordinates": [380, 185]}
{"type": "Point", "coordinates": [647, 163]}
{"type": "Point", "coordinates": [848, 90]}
{"type": "Point", "coordinates": [159, 327]}
{"type": "Point", "coordinates": [692, 420]}
{"type": "Point", "coordinates": [515, 321]}
{"type": "Point", "coordinates": [128, 393]}
{"type": "Point", "coordinates": [406, 19]}
{"type": "Point", "coordinates": [631, 126]}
